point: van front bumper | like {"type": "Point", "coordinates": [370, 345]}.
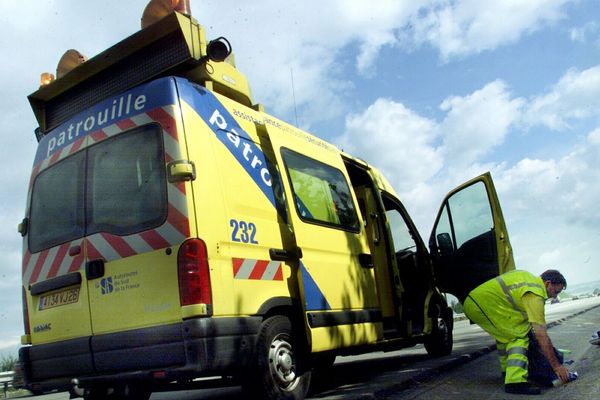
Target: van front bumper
{"type": "Point", "coordinates": [182, 351]}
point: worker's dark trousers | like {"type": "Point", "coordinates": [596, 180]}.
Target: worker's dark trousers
{"type": "Point", "coordinates": [540, 370]}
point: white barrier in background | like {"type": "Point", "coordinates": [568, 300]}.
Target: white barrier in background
{"type": "Point", "coordinates": [6, 380]}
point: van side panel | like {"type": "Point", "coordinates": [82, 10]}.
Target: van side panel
{"type": "Point", "coordinates": [248, 223]}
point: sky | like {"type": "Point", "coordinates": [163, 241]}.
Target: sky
{"type": "Point", "coordinates": [432, 92]}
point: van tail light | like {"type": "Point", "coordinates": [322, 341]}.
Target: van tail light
{"type": "Point", "coordinates": [194, 273]}
{"type": "Point", "coordinates": [25, 313]}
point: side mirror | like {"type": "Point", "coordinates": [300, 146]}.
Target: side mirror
{"type": "Point", "coordinates": [445, 246]}
{"type": "Point", "coordinates": [181, 171]}
{"type": "Point", "coordinates": [23, 226]}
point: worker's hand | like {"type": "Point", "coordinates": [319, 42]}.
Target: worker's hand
{"type": "Point", "coordinates": [563, 373]}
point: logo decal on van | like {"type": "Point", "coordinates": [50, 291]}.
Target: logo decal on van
{"type": "Point", "coordinates": [107, 285]}
{"type": "Point", "coordinates": [119, 283]}
{"type": "Point", "coordinates": [42, 328]}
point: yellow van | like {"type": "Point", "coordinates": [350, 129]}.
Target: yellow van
{"type": "Point", "coordinates": [174, 230]}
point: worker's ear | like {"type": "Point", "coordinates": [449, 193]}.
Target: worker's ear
{"type": "Point", "coordinates": [547, 284]}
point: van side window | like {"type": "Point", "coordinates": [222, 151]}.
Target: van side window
{"type": "Point", "coordinates": [401, 235]}
{"type": "Point", "coordinates": [466, 216]}
{"type": "Point", "coordinates": [321, 192]}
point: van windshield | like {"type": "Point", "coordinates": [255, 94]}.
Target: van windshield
{"type": "Point", "coordinates": [117, 186]}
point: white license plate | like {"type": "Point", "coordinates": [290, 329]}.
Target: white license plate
{"type": "Point", "coordinates": [61, 298]}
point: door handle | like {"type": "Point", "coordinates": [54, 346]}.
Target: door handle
{"type": "Point", "coordinates": [285, 255]}
{"type": "Point", "coordinates": [366, 260]}
{"type": "Point", "coordinates": [94, 269]}
{"type": "Point", "coordinates": [375, 217]}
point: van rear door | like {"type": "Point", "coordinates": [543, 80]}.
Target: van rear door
{"type": "Point", "coordinates": [132, 219]}
{"type": "Point", "coordinates": [54, 253]}
{"type": "Point", "coordinates": [469, 241]}
{"type": "Point", "coordinates": [105, 218]}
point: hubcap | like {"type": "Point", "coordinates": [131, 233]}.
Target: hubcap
{"type": "Point", "coordinates": [282, 364]}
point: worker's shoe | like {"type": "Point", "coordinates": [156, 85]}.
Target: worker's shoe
{"type": "Point", "coordinates": [595, 338]}
{"type": "Point", "coordinates": [521, 388]}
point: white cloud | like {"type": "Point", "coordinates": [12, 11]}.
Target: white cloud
{"type": "Point", "coordinates": [458, 28]}
{"type": "Point", "coordinates": [312, 38]}
{"type": "Point", "coordinates": [473, 126]}
{"type": "Point", "coordinates": [552, 209]}
{"type": "Point", "coordinates": [588, 31]}
{"type": "Point", "coordinates": [424, 158]}
{"type": "Point", "coordinates": [309, 37]}
{"type": "Point", "coordinates": [564, 188]}
{"type": "Point", "coordinates": [550, 204]}
{"type": "Point", "coordinates": [476, 123]}
{"type": "Point", "coordinates": [400, 142]}
{"type": "Point", "coordinates": [575, 96]}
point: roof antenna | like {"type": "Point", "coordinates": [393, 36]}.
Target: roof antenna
{"type": "Point", "coordinates": [294, 95]}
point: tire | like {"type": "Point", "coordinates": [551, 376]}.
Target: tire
{"type": "Point", "coordinates": [439, 342]}
{"type": "Point", "coordinates": [278, 372]}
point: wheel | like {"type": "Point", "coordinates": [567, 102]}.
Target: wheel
{"type": "Point", "coordinates": [278, 372]}
{"type": "Point", "coordinates": [439, 342]}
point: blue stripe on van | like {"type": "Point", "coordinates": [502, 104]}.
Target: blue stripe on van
{"type": "Point", "coordinates": [313, 297]}
{"type": "Point", "coordinates": [231, 134]}
{"type": "Point", "coordinates": [251, 158]}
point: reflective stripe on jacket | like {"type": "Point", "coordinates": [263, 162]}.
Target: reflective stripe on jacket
{"type": "Point", "coordinates": [501, 299]}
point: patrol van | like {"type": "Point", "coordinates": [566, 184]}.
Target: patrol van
{"type": "Point", "coordinates": [174, 230]}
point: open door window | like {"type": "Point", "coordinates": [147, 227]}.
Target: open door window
{"type": "Point", "coordinates": [469, 242]}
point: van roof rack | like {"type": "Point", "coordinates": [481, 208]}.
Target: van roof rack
{"type": "Point", "coordinates": [175, 45]}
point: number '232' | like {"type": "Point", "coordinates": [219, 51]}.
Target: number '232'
{"type": "Point", "coordinates": [243, 231]}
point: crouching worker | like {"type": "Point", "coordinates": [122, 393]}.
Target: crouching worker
{"type": "Point", "coordinates": [511, 309]}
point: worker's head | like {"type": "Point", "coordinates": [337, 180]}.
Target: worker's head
{"type": "Point", "coordinates": [554, 281]}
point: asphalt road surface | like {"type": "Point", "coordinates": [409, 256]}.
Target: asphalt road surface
{"type": "Point", "coordinates": [470, 372]}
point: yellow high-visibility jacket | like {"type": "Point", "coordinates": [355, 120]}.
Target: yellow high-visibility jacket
{"type": "Point", "coordinates": [501, 299]}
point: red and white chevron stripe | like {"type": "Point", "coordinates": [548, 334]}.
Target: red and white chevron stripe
{"type": "Point", "coordinates": [245, 268]}
{"type": "Point", "coordinates": [57, 261]}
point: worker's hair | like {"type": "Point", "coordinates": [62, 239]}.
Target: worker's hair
{"type": "Point", "coordinates": [554, 277]}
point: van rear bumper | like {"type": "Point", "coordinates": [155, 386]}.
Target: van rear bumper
{"type": "Point", "coordinates": [192, 348]}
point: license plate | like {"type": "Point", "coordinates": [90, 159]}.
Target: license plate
{"type": "Point", "coordinates": [61, 298]}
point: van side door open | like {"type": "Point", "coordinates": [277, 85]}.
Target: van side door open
{"type": "Point", "coordinates": [469, 242]}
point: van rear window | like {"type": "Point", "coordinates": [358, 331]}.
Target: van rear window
{"type": "Point", "coordinates": [57, 211]}
{"type": "Point", "coordinates": [117, 186]}
{"type": "Point", "coordinates": [321, 193]}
